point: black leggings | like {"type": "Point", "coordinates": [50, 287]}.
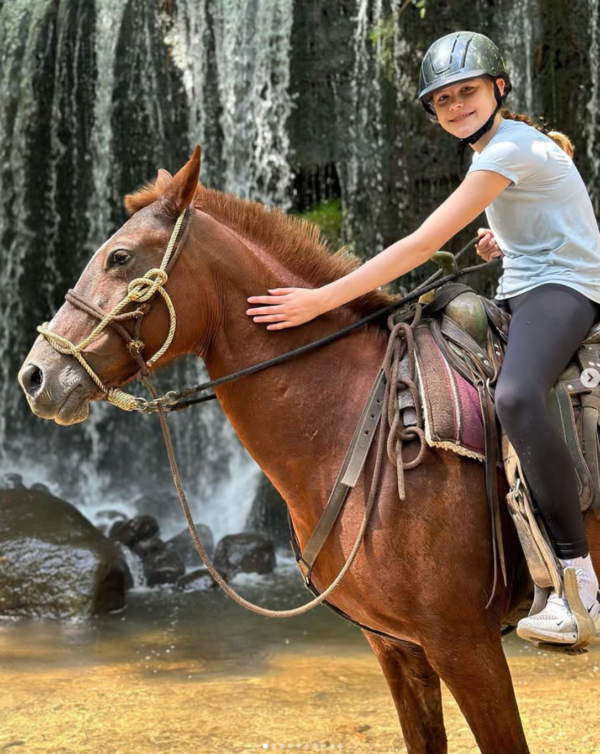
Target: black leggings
{"type": "Point", "coordinates": [547, 326]}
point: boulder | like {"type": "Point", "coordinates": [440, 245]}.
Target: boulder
{"type": "Point", "coordinates": [131, 532]}
{"type": "Point", "coordinates": [248, 552]}
{"type": "Point", "coordinates": [162, 567]}
{"type": "Point", "coordinates": [145, 547]}
{"type": "Point", "coordinates": [11, 482]}
{"type": "Point", "coordinates": [54, 563]}
{"type": "Point", "coordinates": [196, 581]}
{"type": "Point", "coordinates": [40, 487]}
{"type": "Point", "coordinates": [184, 546]}
{"type": "Point", "coordinates": [269, 515]}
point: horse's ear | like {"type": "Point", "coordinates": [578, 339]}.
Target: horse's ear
{"type": "Point", "coordinates": [163, 179]}
{"type": "Point", "coordinates": [179, 192]}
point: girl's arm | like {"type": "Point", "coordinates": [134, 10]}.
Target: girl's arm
{"type": "Point", "coordinates": [469, 200]}
{"type": "Point", "coordinates": [289, 307]}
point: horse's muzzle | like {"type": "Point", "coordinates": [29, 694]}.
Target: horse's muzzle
{"type": "Point", "coordinates": [55, 385]}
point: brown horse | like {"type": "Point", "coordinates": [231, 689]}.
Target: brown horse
{"type": "Point", "coordinates": [424, 571]}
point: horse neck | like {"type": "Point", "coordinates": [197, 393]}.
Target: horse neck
{"type": "Point", "coordinates": [297, 418]}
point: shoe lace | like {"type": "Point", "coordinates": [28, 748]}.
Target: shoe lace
{"type": "Point", "coordinates": [556, 601]}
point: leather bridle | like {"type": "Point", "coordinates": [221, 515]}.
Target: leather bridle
{"type": "Point", "coordinates": [140, 291]}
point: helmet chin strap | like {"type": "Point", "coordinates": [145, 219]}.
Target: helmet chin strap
{"type": "Point", "coordinates": [480, 131]}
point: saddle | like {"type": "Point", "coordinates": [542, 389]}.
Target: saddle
{"type": "Point", "coordinates": [461, 333]}
{"type": "Point", "coordinates": [460, 345]}
{"type": "Point", "coordinates": [443, 380]}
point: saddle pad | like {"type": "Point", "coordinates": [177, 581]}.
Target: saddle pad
{"type": "Point", "coordinates": [451, 411]}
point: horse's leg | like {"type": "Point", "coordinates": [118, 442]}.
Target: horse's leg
{"type": "Point", "coordinates": [475, 670]}
{"type": "Point", "coordinates": [415, 689]}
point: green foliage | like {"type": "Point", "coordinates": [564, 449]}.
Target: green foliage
{"type": "Point", "coordinates": [421, 5]}
{"type": "Point", "coordinates": [328, 216]}
{"type": "Point", "coordinates": [381, 35]}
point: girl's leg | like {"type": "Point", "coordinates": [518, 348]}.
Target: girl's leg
{"type": "Point", "coordinates": [548, 324]}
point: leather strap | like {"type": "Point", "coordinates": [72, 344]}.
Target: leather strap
{"type": "Point", "coordinates": [347, 476]}
{"type": "Point", "coordinates": [443, 297]}
{"type": "Point", "coordinates": [589, 419]}
{"type": "Point", "coordinates": [462, 339]}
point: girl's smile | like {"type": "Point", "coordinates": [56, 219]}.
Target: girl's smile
{"type": "Point", "coordinates": [460, 118]}
{"type": "Point", "coordinates": [464, 107]}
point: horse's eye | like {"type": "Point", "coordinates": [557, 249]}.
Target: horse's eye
{"type": "Point", "coordinates": [118, 258]}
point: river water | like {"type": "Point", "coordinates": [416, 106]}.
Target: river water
{"type": "Point", "coordinates": [192, 673]}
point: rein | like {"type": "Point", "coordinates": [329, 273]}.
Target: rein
{"type": "Point", "coordinates": [143, 289]}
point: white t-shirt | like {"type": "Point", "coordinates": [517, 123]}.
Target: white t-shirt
{"type": "Point", "coordinates": [543, 221]}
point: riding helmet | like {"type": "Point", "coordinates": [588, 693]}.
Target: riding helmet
{"type": "Point", "coordinates": [458, 56]}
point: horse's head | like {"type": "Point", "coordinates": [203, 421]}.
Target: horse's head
{"type": "Point", "coordinates": [57, 384]}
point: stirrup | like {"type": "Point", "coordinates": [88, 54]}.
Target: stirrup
{"type": "Point", "coordinates": [586, 631]}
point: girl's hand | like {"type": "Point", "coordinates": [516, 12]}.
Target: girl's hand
{"type": "Point", "coordinates": [487, 246]}
{"type": "Point", "coordinates": [288, 307]}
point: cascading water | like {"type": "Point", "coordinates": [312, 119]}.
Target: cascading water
{"type": "Point", "coordinates": [112, 458]}
{"type": "Point", "coordinates": [517, 25]}
{"type": "Point", "coordinates": [109, 18]}
{"type": "Point", "coordinates": [362, 175]}
{"type": "Point", "coordinates": [405, 92]}
{"type": "Point", "coordinates": [251, 51]}
{"type": "Point", "coordinates": [592, 106]}
{"type": "Point", "coordinates": [95, 96]}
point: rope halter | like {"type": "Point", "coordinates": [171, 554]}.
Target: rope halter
{"type": "Point", "coordinates": [141, 290]}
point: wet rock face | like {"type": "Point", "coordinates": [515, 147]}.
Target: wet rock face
{"type": "Point", "coordinates": [162, 567]}
{"type": "Point", "coordinates": [138, 529]}
{"type": "Point", "coordinates": [244, 553]}
{"type": "Point", "coordinates": [197, 581]}
{"type": "Point", "coordinates": [184, 546]}
{"type": "Point", "coordinates": [269, 514]}
{"type": "Point", "coordinates": [162, 563]}
{"type": "Point", "coordinates": [11, 482]}
{"type": "Point", "coordinates": [53, 562]}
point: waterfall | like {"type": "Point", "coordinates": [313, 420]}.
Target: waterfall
{"type": "Point", "coordinates": [190, 44]}
{"type": "Point", "coordinates": [18, 106]}
{"type": "Point", "coordinates": [252, 41]}
{"type": "Point", "coordinates": [517, 43]}
{"type": "Point", "coordinates": [95, 95]}
{"type": "Point", "coordinates": [591, 129]}
{"type": "Point", "coordinates": [405, 92]}
{"type": "Point", "coordinates": [109, 16]}
{"type": "Point", "coordinates": [362, 176]}
{"type": "Point", "coordinates": [96, 110]}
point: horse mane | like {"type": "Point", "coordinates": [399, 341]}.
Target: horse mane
{"type": "Point", "coordinates": [293, 241]}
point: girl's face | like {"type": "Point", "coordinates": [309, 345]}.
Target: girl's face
{"type": "Point", "coordinates": [464, 107]}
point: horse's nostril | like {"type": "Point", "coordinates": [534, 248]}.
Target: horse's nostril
{"type": "Point", "coordinates": [32, 378]}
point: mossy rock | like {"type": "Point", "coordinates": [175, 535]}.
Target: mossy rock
{"type": "Point", "coordinates": [54, 563]}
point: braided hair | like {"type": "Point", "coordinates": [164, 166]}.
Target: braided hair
{"type": "Point", "coordinates": [559, 138]}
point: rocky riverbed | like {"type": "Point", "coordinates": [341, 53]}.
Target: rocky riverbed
{"type": "Point", "coordinates": [192, 672]}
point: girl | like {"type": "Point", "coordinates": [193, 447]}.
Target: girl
{"type": "Point", "coordinates": [543, 226]}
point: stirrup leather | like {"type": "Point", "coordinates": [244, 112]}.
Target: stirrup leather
{"type": "Point", "coordinates": [543, 565]}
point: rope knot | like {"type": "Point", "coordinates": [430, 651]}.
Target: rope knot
{"type": "Point", "coordinates": [135, 346]}
{"type": "Point", "coordinates": [142, 289]}
{"type": "Point", "coordinates": [122, 400]}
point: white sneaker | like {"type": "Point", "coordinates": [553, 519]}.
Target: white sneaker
{"type": "Point", "coordinates": [555, 623]}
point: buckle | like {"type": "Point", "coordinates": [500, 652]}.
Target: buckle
{"type": "Point", "coordinates": [304, 569]}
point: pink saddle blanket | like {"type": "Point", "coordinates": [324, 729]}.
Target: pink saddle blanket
{"type": "Point", "coordinates": [451, 411]}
